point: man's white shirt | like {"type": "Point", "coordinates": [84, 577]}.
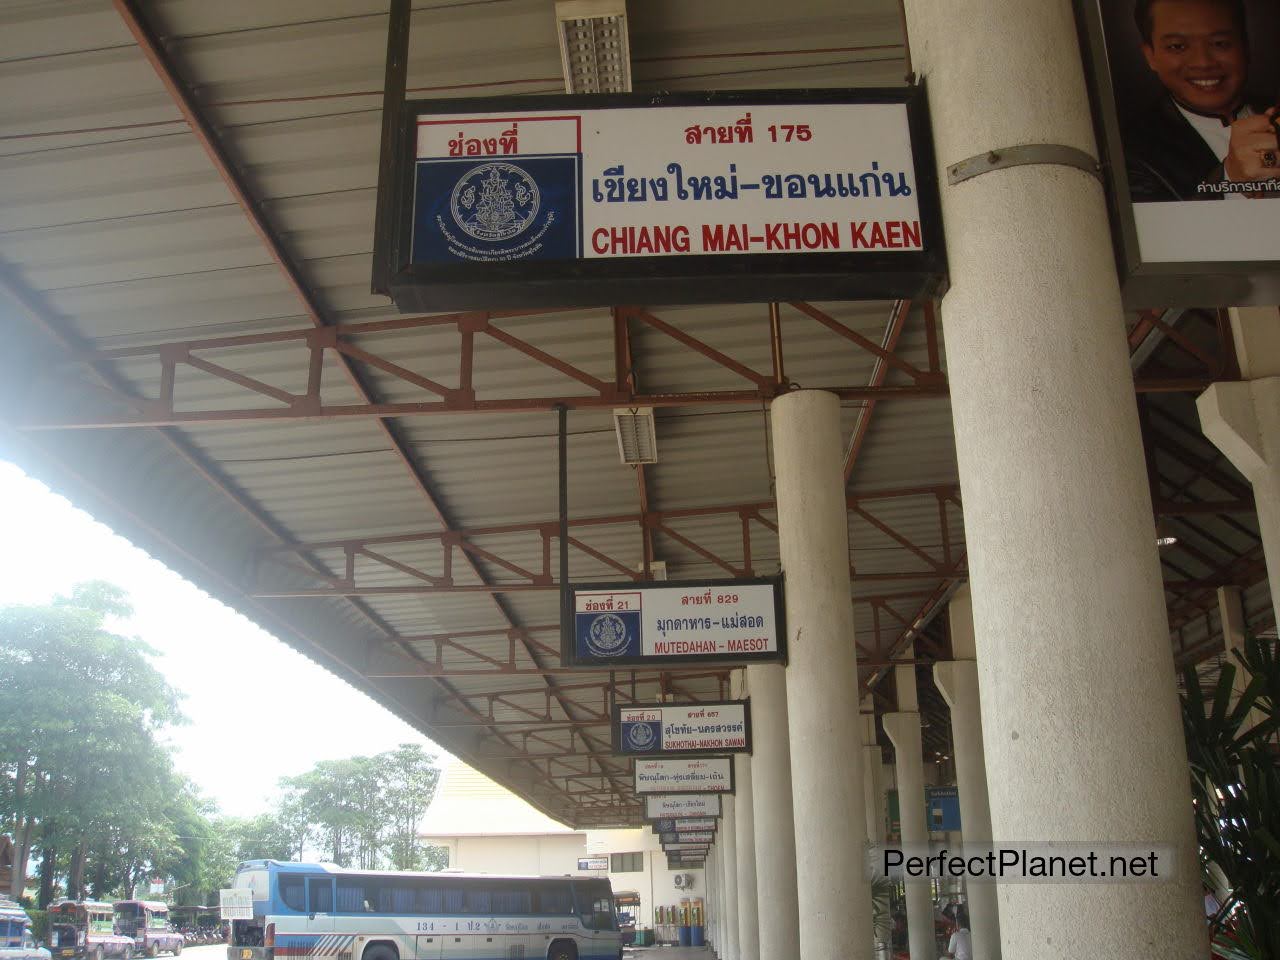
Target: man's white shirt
{"type": "Point", "coordinates": [961, 945]}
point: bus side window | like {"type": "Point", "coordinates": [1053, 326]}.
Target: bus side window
{"type": "Point", "coordinates": [320, 895]}
{"type": "Point", "coordinates": [293, 893]}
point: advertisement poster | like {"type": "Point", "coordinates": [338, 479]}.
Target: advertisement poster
{"type": "Point", "coordinates": [671, 729]}
{"type": "Point", "coordinates": [1189, 93]}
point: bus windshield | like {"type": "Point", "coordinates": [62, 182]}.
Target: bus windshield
{"type": "Point", "coordinates": [596, 906]}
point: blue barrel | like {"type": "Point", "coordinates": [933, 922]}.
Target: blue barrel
{"type": "Point", "coordinates": [696, 938]}
{"type": "Point", "coordinates": [686, 935]}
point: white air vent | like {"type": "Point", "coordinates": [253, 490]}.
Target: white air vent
{"type": "Point", "coordinates": [594, 49]}
{"type": "Point", "coordinates": [657, 568]}
{"type": "Point", "coordinates": [637, 437]}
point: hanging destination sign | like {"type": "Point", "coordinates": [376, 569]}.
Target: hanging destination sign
{"type": "Point", "coordinates": [681, 806]}
{"type": "Point", "coordinates": [683, 824]}
{"type": "Point", "coordinates": [690, 837]}
{"type": "Point", "coordinates": [687, 848]}
{"type": "Point", "coordinates": [706, 622]}
{"type": "Point", "coordinates": [685, 775]}
{"type": "Point", "coordinates": [735, 196]}
{"type": "Point", "coordinates": [683, 729]}
{"type": "Point", "coordinates": [686, 863]}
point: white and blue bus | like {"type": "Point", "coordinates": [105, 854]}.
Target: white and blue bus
{"type": "Point", "coordinates": [281, 909]}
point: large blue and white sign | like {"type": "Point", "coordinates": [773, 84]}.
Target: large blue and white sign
{"type": "Point", "coordinates": [682, 729]}
{"type": "Point", "coordinates": [943, 809]}
{"type": "Point", "coordinates": [681, 806]}
{"type": "Point", "coordinates": [685, 775]}
{"type": "Point", "coordinates": [714, 621]}
{"type": "Point", "coordinates": [819, 194]}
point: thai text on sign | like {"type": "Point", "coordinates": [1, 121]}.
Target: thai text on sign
{"type": "Point", "coordinates": [682, 180]}
{"type": "Point", "coordinates": [685, 775]}
{"type": "Point", "coordinates": [724, 621]}
{"type": "Point", "coordinates": [663, 728]}
{"type": "Point", "coordinates": [681, 805]}
{"type": "Point", "coordinates": [684, 824]}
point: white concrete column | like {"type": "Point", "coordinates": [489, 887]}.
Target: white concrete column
{"type": "Point", "coordinates": [957, 681]}
{"type": "Point", "coordinates": [903, 728]}
{"type": "Point", "coordinates": [872, 762]}
{"type": "Point", "coordinates": [1242, 419]}
{"type": "Point", "coordinates": [775, 839]}
{"type": "Point", "coordinates": [714, 905]}
{"type": "Point", "coordinates": [745, 850]}
{"type": "Point", "coordinates": [1079, 705]}
{"type": "Point", "coordinates": [822, 697]}
{"type": "Point", "coordinates": [730, 872]}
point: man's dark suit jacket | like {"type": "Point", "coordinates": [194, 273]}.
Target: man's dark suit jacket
{"type": "Point", "coordinates": [1165, 156]}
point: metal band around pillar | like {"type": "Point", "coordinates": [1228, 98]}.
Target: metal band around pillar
{"type": "Point", "coordinates": [1020, 156]}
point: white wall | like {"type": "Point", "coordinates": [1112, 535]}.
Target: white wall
{"type": "Point", "coordinates": [530, 855]}
{"type": "Point", "coordinates": [655, 884]}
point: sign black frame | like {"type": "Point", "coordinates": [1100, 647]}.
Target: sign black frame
{"type": "Point", "coordinates": [717, 815]}
{"type": "Point", "coordinates": [733, 778]}
{"type": "Point", "coordinates": [1161, 284]}
{"type": "Point", "coordinates": [658, 280]}
{"type": "Point", "coordinates": [568, 636]}
{"type": "Point", "coordinates": [615, 729]}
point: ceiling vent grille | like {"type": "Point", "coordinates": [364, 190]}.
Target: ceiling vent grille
{"type": "Point", "coordinates": [637, 437]}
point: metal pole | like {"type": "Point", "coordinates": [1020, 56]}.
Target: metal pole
{"type": "Point", "coordinates": [393, 94]}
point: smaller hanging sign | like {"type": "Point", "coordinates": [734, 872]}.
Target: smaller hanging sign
{"type": "Point", "coordinates": [681, 806]}
{"type": "Point", "coordinates": [683, 824]}
{"type": "Point", "coordinates": [701, 848]}
{"type": "Point", "coordinates": [692, 836]}
{"type": "Point", "coordinates": [676, 862]}
{"type": "Point", "coordinates": [683, 729]}
{"type": "Point", "coordinates": [685, 775]}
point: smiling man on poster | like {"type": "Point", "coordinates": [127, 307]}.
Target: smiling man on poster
{"type": "Point", "coordinates": [1208, 130]}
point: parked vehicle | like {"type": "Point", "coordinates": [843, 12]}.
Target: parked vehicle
{"type": "Point", "coordinates": [85, 929]}
{"type": "Point", "coordinates": [198, 925]}
{"type": "Point", "coordinates": [147, 921]}
{"type": "Point", "coordinates": [285, 909]}
{"type": "Point", "coordinates": [16, 941]}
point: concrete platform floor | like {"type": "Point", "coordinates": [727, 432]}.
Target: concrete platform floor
{"type": "Point", "coordinates": [667, 953]}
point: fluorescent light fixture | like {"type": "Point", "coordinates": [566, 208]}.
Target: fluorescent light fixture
{"type": "Point", "coordinates": [637, 439]}
{"type": "Point", "coordinates": [1164, 536]}
{"type": "Point", "coordinates": [594, 50]}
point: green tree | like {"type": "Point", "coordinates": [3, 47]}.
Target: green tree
{"type": "Point", "coordinates": [80, 710]}
{"type": "Point", "coordinates": [409, 777]}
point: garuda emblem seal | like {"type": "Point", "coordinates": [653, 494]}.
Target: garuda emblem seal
{"type": "Point", "coordinates": [607, 636]}
{"type": "Point", "coordinates": [495, 202]}
{"type": "Point", "coordinates": [640, 736]}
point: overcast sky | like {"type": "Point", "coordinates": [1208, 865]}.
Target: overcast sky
{"type": "Point", "coordinates": [243, 688]}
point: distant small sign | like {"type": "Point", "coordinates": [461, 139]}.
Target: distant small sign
{"type": "Point", "coordinates": [684, 824]}
{"type": "Point", "coordinates": [593, 863]}
{"type": "Point", "coordinates": [693, 836]}
{"type": "Point", "coordinates": [235, 904]}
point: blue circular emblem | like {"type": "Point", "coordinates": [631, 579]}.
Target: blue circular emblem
{"type": "Point", "coordinates": [494, 202]}
{"type": "Point", "coordinates": [607, 636]}
{"type": "Point", "coordinates": [640, 737]}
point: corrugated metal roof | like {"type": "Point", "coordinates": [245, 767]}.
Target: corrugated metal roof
{"type": "Point", "coordinates": [117, 230]}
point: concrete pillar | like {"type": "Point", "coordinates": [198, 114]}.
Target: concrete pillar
{"type": "Point", "coordinates": [714, 911]}
{"type": "Point", "coordinates": [872, 762]}
{"type": "Point", "coordinates": [777, 911]}
{"type": "Point", "coordinates": [903, 728]}
{"type": "Point", "coordinates": [745, 849]}
{"type": "Point", "coordinates": [1079, 705]}
{"type": "Point", "coordinates": [822, 671]}
{"type": "Point", "coordinates": [731, 892]}
{"type": "Point", "coordinates": [1242, 419]}
{"type": "Point", "coordinates": [958, 682]}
